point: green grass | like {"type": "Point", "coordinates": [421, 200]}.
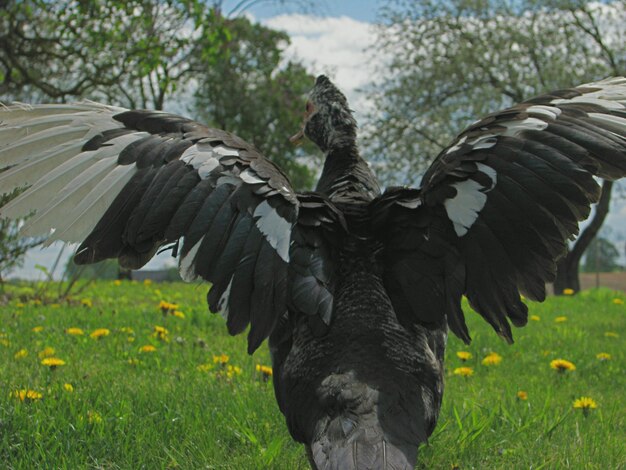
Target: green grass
{"type": "Point", "coordinates": [165, 412]}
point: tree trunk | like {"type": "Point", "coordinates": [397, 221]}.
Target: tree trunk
{"type": "Point", "coordinates": [567, 267]}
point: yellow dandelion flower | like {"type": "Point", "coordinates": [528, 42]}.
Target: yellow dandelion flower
{"type": "Point", "coordinates": [618, 301]}
{"type": "Point", "coordinates": [36, 302]}
{"type": "Point", "coordinates": [20, 354]}
{"type": "Point", "coordinates": [611, 334]}
{"type": "Point", "coordinates": [68, 387]}
{"type": "Point", "coordinates": [117, 282]}
{"type": "Point", "coordinates": [37, 329]}
{"type": "Point", "coordinates": [585, 404]}
{"type": "Point", "coordinates": [147, 348]}
{"type": "Point", "coordinates": [221, 359]}
{"type": "Point", "coordinates": [265, 370]}
{"type": "Point", "coordinates": [464, 355]}
{"type": "Point", "coordinates": [128, 330]}
{"type": "Point", "coordinates": [147, 282]}
{"type": "Point", "coordinates": [463, 371]}
{"type": "Point", "coordinates": [522, 395]}
{"type": "Point", "coordinates": [205, 367]}
{"type": "Point", "coordinates": [161, 333]}
{"type": "Point", "coordinates": [86, 303]}
{"type": "Point", "coordinates": [231, 371]}
{"type": "Point", "coordinates": [178, 314]}
{"type": "Point", "coordinates": [26, 395]}
{"type": "Point", "coordinates": [603, 356]}
{"type": "Point", "coordinates": [55, 305]}
{"type": "Point", "coordinates": [560, 319]}
{"type": "Point", "coordinates": [167, 306]}
{"type": "Point", "coordinates": [19, 305]}
{"type": "Point", "coordinates": [5, 342]}
{"type": "Point", "coordinates": [492, 359]}
{"type": "Point", "coordinates": [74, 331]}
{"type": "Point", "coordinates": [46, 352]}
{"type": "Point", "coordinates": [52, 362]}
{"type": "Point", "coordinates": [100, 333]}
{"type": "Point", "coordinates": [535, 317]}
{"type": "Point", "coordinates": [130, 339]}
{"type": "Point", "coordinates": [562, 365]}
{"type": "Point", "coordinates": [94, 417]}
{"type": "Point", "coordinates": [568, 291]}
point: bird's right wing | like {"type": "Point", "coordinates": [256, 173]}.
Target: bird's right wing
{"type": "Point", "coordinates": [496, 208]}
{"type": "Point", "coordinates": [124, 183]}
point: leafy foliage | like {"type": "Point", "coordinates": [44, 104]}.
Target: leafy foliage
{"type": "Point", "coordinates": [13, 247]}
{"type": "Point", "coordinates": [601, 256]}
{"type": "Point", "coordinates": [453, 62]}
{"type": "Point", "coordinates": [250, 92]}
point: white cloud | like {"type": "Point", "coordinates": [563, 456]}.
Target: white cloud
{"type": "Point", "coordinates": [340, 47]}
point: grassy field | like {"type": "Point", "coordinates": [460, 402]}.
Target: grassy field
{"type": "Point", "coordinates": [159, 389]}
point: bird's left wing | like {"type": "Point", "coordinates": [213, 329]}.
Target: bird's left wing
{"type": "Point", "coordinates": [124, 183]}
{"type": "Point", "coordinates": [496, 208]}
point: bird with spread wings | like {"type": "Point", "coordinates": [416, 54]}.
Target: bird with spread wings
{"type": "Point", "coordinates": [355, 288]}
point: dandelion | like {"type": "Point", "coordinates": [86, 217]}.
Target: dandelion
{"type": "Point", "coordinates": [26, 395]}
{"type": "Point", "coordinates": [37, 329]}
{"type": "Point", "coordinates": [603, 356]}
{"type": "Point", "coordinates": [86, 303]}
{"type": "Point", "coordinates": [178, 314]}
{"type": "Point", "coordinates": [231, 371]}
{"type": "Point", "coordinates": [266, 371]}
{"type": "Point", "coordinates": [463, 371]}
{"type": "Point", "coordinates": [147, 282]}
{"type": "Point", "coordinates": [568, 291]}
{"type": "Point", "coordinates": [522, 395]}
{"type": "Point", "coordinates": [464, 355]}
{"type": "Point", "coordinates": [222, 359]}
{"type": "Point", "coordinates": [160, 333]}
{"type": "Point", "coordinates": [94, 417]}
{"type": "Point", "coordinates": [46, 352]}
{"type": "Point", "coordinates": [128, 330]}
{"type": "Point", "coordinates": [21, 354]}
{"type": "Point", "coordinates": [74, 331]}
{"type": "Point", "coordinates": [560, 319]}
{"type": "Point", "coordinates": [205, 367]}
{"type": "Point", "coordinates": [133, 362]}
{"type": "Point", "coordinates": [5, 342]}
{"type": "Point", "coordinates": [618, 301]}
{"type": "Point", "coordinates": [166, 307]}
{"type": "Point", "coordinates": [19, 305]}
{"type": "Point", "coordinates": [535, 317]}
{"type": "Point", "coordinates": [68, 387]}
{"type": "Point", "coordinates": [100, 333]}
{"type": "Point", "coordinates": [492, 359]}
{"type": "Point", "coordinates": [611, 334]}
{"type": "Point", "coordinates": [561, 365]}
{"type": "Point", "coordinates": [36, 302]}
{"type": "Point", "coordinates": [585, 404]}
{"type": "Point", "coordinates": [147, 348]}
{"type": "Point", "coordinates": [117, 282]}
{"type": "Point", "coordinates": [52, 362]}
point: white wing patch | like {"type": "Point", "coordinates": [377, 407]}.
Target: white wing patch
{"type": "Point", "coordinates": [546, 112]}
{"type": "Point", "coordinates": [470, 198]}
{"type": "Point", "coordinates": [186, 263]}
{"type": "Point", "coordinates": [205, 158]}
{"type": "Point", "coordinates": [277, 231]}
{"type": "Point", "coordinates": [529, 124]}
{"type": "Point", "coordinates": [223, 303]}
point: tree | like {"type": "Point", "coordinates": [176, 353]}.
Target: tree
{"type": "Point", "coordinates": [154, 54]}
{"type": "Point", "coordinates": [601, 256]}
{"type": "Point", "coordinates": [13, 247]}
{"type": "Point", "coordinates": [452, 62]}
{"type": "Point", "coordinates": [249, 91]}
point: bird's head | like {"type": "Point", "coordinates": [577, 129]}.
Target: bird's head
{"type": "Point", "coordinates": [328, 120]}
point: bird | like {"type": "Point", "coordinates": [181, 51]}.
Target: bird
{"type": "Point", "coordinates": [354, 288]}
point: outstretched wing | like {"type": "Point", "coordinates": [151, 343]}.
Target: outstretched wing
{"type": "Point", "coordinates": [496, 208]}
{"type": "Point", "coordinates": [124, 183]}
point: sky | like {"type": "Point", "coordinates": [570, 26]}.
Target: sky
{"type": "Point", "coordinates": [337, 40]}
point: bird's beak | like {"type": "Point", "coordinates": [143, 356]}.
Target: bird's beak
{"type": "Point", "coordinates": [297, 137]}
